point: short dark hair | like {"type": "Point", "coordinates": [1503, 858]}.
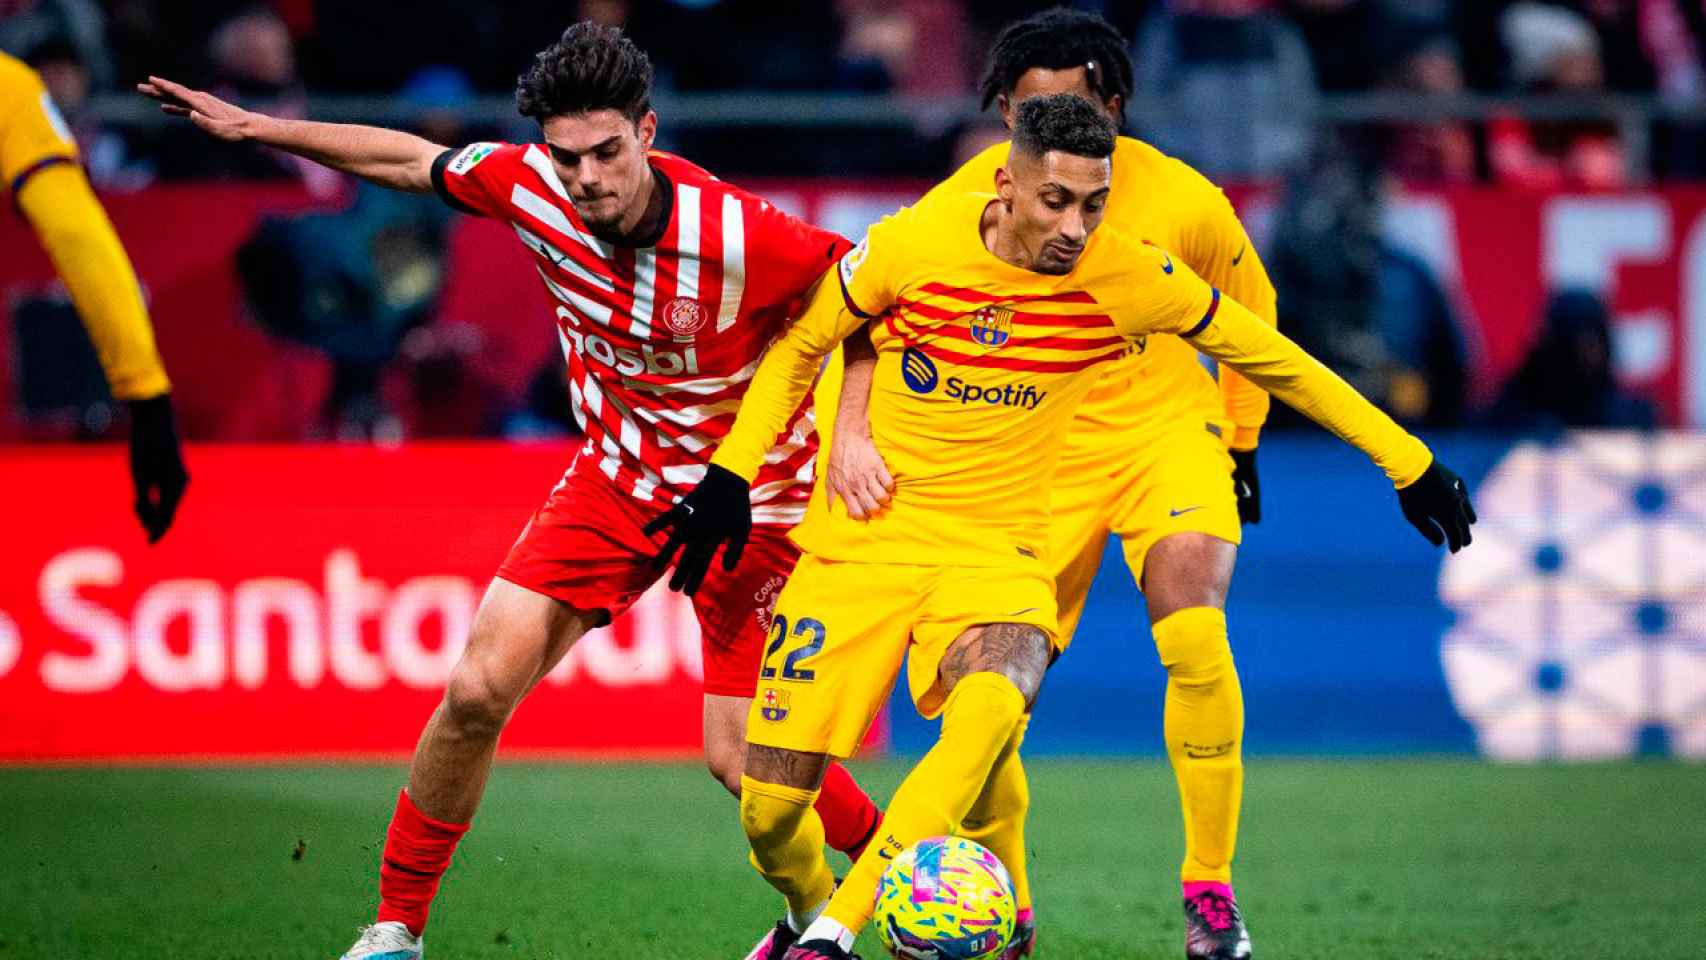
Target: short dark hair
{"type": "Point", "coordinates": [1064, 122]}
{"type": "Point", "coordinates": [1056, 40]}
{"type": "Point", "coordinates": [593, 67]}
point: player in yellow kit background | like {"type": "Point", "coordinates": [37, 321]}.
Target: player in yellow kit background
{"type": "Point", "coordinates": [1159, 454]}
{"type": "Point", "coordinates": [996, 312]}
{"type": "Point", "coordinates": [40, 174]}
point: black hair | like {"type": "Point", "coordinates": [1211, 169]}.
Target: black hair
{"type": "Point", "coordinates": [1064, 122]}
{"type": "Point", "coordinates": [1056, 40]}
{"type": "Point", "coordinates": [593, 67]}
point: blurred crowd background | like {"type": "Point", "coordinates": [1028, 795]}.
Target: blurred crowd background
{"type": "Point", "coordinates": [1330, 107]}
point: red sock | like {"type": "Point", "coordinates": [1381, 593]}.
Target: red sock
{"type": "Point", "coordinates": [417, 852]}
{"type": "Point", "coordinates": [849, 817]}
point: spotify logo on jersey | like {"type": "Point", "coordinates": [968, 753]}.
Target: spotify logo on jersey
{"type": "Point", "coordinates": [918, 370]}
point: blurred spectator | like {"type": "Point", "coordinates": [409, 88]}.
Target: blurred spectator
{"type": "Point", "coordinates": [1619, 26]}
{"type": "Point", "coordinates": [26, 26]}
{"type": "Point", "coordinates": [1554, 50]}
{"type": "Point", "coordinates": [545, 412]}
{"type": "Point", "coordinates": [351, 284]}
{"type": "Point", "coordinates": [1430, 153]}
{"type": "Point", "coordinates": [1427, 375]}
{"type": "Point", "coordinates": [1567, 380]}
{"type": "Point", "coordinates": [107, 154]}
{"type": "Point", "coordinates": [1226, 86]}
{"type": "Point", "coordinates": [251, 58]}
{"type": "Point", "coordinates": [1325, 265]}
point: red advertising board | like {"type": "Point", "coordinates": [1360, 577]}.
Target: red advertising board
{"type": "Point", "coordinates": [309, 602]}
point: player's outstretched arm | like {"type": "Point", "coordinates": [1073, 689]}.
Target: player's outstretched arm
{"type": "Point", "coordinates": [1433, 499]}
{"type": "Point", "coordinates": [717, 513]}
{"type": "Point", "coordinates": [390, 158]}
{"type": "Point", "coordinates": [75, 231]}
{"type": "Point", "coordinates": [856, 471]}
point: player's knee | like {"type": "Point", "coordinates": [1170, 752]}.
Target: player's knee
{"type": "Point", "coordinates": [771, 814]}
{"type": "Point", "coordinates": [1194, 647]}
{"type": "Point", "coordinates": [725, 766]}
{"type": "Point", "coordinates": [476, 701]}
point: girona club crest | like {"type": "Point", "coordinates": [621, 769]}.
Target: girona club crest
{"type": "Point", "coordinates": [684, 317]}
{"type": "Point", "coordinates": [992, 326]}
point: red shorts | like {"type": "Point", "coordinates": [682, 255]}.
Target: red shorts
{"type": "Point", "coordinates": [585, 547]}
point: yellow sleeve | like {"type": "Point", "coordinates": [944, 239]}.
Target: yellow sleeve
{"type": "Point", "coordinates": [1171, 299]}
{"type": "Point", "coordinates": [59, 203]}
{"type": "Point", "coordinates": [32, 133]}
{"type": "Point", "coordinates": [785, 376]}
{"type": "Point", "coordinates": [1222, 254]}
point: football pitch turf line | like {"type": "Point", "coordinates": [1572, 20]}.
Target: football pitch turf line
{"type": "Point", "coordinates": [1337, 859]}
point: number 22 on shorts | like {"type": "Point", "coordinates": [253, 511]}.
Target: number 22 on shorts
{"type": "Point", "coordinates": [812, 631]}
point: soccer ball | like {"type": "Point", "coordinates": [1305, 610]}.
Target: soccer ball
{"type": "Point", "coordinates": [945, 898]}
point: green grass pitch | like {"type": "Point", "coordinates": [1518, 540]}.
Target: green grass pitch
{"type": "Point", "coordinates": [1338, 859]}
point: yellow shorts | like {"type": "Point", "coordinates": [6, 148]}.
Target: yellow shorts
{"type": "Point", "coordinates": [1171, 481]}
{"type": "Point", "coordinates": [841, 630]}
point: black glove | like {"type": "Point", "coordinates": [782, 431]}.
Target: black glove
{"type": "Point", "coordinates": [1246, 486]}
{"type": "Point", "coordinates": [1438, 505]}
{"type": "Point", "coordinates": [716, 512]}
{"type": "Point", "coordinates": [156, 464]}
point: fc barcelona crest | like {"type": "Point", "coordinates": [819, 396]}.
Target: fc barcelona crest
{"type": "Point", "coordinates": [992, 326]}
{"type": "Point", "coordinates": [775, 705]}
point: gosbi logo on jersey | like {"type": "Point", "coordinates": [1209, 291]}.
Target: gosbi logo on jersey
{"type": "Point", "coordinates": [685, 317]}
{"type": "Point", "coordinates": [628, 363]}
{"type": "Point", "coordinates": [992, 326]}
{"type": "Point", "coordinates": [775, 706]}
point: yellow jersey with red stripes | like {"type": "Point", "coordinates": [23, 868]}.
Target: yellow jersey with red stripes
{"type": "Point", "coordinates": [980, 367]}
{"type": "Point", "coordinates": [1164, 201]}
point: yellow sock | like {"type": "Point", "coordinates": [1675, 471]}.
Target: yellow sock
{"type": "Point", "coordinates": [1204, 726]}
{"type": "Point", "coordinates": [997, 819]}
{"type": "Point", "coordinates": [787, 842]}
{"type": "Point", "coordinates": [977, 723]}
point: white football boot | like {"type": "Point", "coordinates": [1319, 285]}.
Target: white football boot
{"type": "Point", "coordinates": [386, 941]}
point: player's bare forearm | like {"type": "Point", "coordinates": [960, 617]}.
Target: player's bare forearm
{"type": "Point", "coordinates": [859, 359]}
{"type": "Point", "coordinates": [390, 158]}
{"type": "Point", "coordinates": [855, 471]}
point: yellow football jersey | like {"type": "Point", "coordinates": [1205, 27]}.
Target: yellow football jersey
{"type": "Point", "coordinates": [1163, 201]}
{"type": "Point", "coordinates": [980, 367]}
{"type": "Point", "coordinates": [32, 133]}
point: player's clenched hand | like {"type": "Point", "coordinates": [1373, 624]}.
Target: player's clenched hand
{"type": "Point", "coordinates": [857, 474]}
{"type": "Point", "coordinates": [716, 513]}
{"type": "Point", "coordinates": [1438, 505]}
{"type": "Point", "coordinates": [1245, 485]}
{"type": "Point", "coordinates": [156, 464]}
{"type": "Point", "coordinates": [226, 121]}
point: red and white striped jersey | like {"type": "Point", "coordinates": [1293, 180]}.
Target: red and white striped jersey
{"type": "Point", "coordinates": [661, 341]}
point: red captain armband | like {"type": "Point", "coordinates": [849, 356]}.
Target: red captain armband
{"type": "Point", "coordinates": [1208, 315]}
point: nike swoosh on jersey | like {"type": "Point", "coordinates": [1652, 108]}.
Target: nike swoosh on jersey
{"type": "Point", "coordinates": [1167, 266]}
{"type": "Point", "coordinates": [1180, 513]}
{"type": "Point", "coordinates": [1240, 258]}
{"type": "Point", "coordinates": [1021, 612]}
